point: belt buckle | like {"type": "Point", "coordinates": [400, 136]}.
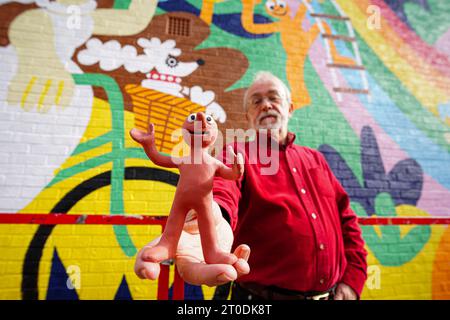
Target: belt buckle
{"type": "Point", "coordinates": [320, 296]}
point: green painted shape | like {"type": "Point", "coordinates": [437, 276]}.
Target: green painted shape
{"type": "Point", "coordinates": [93, 143]}
{"type": "Point", "coordinates": [129, 153]}
{"type": "Point", "coordinates": [391, 249]}
{"type": "Point", "coordinates": [115, 99]}
{"type": "Point", "coordinates": [121, 4]}
{"type": "Point", "coordinates": [318, 123]}
{"type": "Point", "coordinates": [254, 49]}
{"type": "Point", "coordinates": [159, 11]}
{"type": "Point", "coordinates": [338, 25]}
{"type": "Point", "coordinates": [429, 25]}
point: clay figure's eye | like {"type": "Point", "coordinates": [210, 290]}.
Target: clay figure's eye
{"type": "Point", "coordinates": [281, 4]}
{"type": "Point", "coordinates": [191, 117]}
{"type": "Point", "coordinates": [209, 119]}
{"type": "Point", "coordinates": [172, 62]}
{"type": "Point", "coordinates": [270, 5]}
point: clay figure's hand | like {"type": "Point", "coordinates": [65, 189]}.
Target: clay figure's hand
{"type": "Point", "coordinates": [145, 139]}
{"type": "Point", "coordinates": [238, 162]}
{"type": "Point", "coordinates": [189, 256]}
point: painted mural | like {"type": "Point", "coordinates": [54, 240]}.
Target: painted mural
{"type": "Point", "coordinates": [370, 83]}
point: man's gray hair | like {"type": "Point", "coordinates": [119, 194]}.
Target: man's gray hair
{"type": "Point", "coordinates": [266, 76]}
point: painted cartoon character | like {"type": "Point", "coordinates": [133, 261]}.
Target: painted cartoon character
{"type": "Point", "coordinates": [161, 63]}
{"type": "Point", "coordinates": [39, 98]}
{"type": "Point", "coordinates": [295, 40]}
{"type": "Point", "coordinates": [194, 189]}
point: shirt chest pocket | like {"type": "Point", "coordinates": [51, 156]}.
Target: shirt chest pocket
{"type": "Point", "coordinates": [320, 180]}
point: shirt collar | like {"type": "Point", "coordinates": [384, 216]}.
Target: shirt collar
{"type": "Point", "coordinates": [289, 139]}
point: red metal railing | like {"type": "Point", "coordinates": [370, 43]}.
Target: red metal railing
{"type": "Point", "coordinates": [163, 280]}
{"type": "Point", "coordinates": [63, 218]}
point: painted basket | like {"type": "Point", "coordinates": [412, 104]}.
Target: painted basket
{"type": "Point", "coordinates": [165, 111]}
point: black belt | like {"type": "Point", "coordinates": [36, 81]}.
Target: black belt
{"type": "Point", "coordinates": [276, 293]}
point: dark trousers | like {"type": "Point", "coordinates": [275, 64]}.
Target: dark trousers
{"type": "Point", "coordinates": [240, 293]}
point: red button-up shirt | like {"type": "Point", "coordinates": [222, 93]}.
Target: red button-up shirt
{"type": "Point", "coordinates": [298, 222]}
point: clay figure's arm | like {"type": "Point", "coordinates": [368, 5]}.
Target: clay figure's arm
{"type": "Point", "coordinates": [248, 22]}
{"type": "Point", "coordinates": [236, 170]}
{"type": "Point", "coordinates": [147, 140]}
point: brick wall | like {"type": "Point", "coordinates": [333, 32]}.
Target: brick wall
{"type": "Point", "coordinates": [76, 76]}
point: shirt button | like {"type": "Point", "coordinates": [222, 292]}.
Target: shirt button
{"type": "Point", "coordinates": [321, 246]}
{"type": "Point", "coordinates": [303, 191]}
{"type": "Point", "coordinates": [294, 169]}
{"type": "Point", "coordinates": [314, 216]}
{"type": "Point", "coordinates": [321, 281]}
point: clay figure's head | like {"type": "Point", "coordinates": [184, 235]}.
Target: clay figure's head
{"type": "Point", "coordinates": [200, 128]}
{"type": "Point", "coordinates": [277, 8]}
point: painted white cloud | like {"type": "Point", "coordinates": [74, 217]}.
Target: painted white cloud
{"type": "Point", "coordinates": [154, 47]}
{"type": "Point", "coordinates": [111, 56]}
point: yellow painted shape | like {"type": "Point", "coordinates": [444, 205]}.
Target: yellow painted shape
{"type": "Point", "coordinates": [41, 106]}
{"type": "Point", "coordinates": [412, 280]}
{"type": "Point", "coordinates": [14, 241]}
{"type": "Point", "coordinates": [207, 11]}
{"type": "Point", "coordinates": [94, 249]}
{"type": "Point", "coordinates": [27, 91]}
{"type": "Point", "coordinates": [441, 272]}
{"type": "Point", "coordinates": [59, 92]}
{"type": "Point", "coordinates": [426, 93]}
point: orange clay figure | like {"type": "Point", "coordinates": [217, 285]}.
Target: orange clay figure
{"type": "Point", "coordinates": [194, 189]}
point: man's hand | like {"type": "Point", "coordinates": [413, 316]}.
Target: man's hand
{"type": "Point", "coordinates": [189, 256]}
{"type": "Point", "coordinates": [344, 292]}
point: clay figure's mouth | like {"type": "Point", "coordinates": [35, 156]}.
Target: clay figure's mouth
{"type": "Point", "coordinates": [199, 132]}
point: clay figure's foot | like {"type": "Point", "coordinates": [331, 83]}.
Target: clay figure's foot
{"type": "Point", "coordinates": [220, 257]}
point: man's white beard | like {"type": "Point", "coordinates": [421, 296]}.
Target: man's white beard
{"type": "Point", "coordinates": [278, 124]}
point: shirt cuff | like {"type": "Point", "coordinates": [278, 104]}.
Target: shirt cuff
{"type": "Point", "coordinates": [355, 278]}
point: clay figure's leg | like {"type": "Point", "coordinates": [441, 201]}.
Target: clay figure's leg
{"type": "Point", "coordinates": [208, 235]}
{"type": "Point", "coordinates": [167, 245]}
